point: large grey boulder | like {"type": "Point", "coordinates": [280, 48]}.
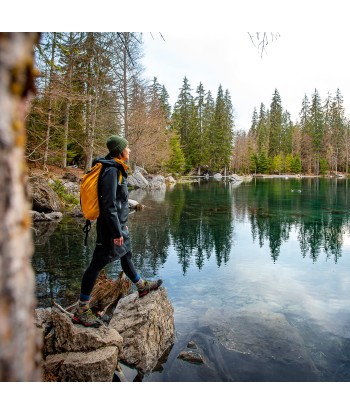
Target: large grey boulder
{"type": "Point", "coordinates": [147, 327]}
{"type": "Point", "coordinates": [170, 181]}
{"type": "Point", "coordinates": [94, 366]}
{"type": "Point", "coordinates": [77, 338]}
{"type": "Point", "coordinates": [44, 199]}
{"type": "Point", "coordinates": [235, 178]}
{"type": "Point", "coordinates": [137, 180]}
{"type": "Point", "coordinates": [157, 183]}
{"type": "Point", "coordinates": [134, 204]}
{"type": "Point", "coordinates": [74, 352]}
{"type": "Point", "coordinates": [71, 177]}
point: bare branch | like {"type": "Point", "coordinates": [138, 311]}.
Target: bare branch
{"type": "Point", "coordinates": [262, 40]}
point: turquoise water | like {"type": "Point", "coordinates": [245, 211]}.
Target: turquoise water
{"type": "Point", "coordinates": [257, 272]}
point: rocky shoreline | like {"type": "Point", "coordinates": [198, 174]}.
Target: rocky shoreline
{"type": "Point", "coordinates": [47, 204]}
{"type": "Point", "coordinates": [139, 333]}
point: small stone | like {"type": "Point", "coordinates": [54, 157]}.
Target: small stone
{"type": "Point", "coordinates": [192, 345]}
{"type": "Point", "coordinates": [191, 357]}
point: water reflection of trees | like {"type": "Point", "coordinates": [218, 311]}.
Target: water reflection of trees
{"type": "Point", "coordinates": [59, 260]}
{"type": "Point", "coordinates": [195, 219]}
{"type": "Point", "coordinates": [201, 223]}
{"type": "Point", "coordinates": [198, 221]}
{"type": "Point", "coordinates": [316, 208]}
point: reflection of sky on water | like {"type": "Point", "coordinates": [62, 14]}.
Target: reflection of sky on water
{"type": "Point", "coordinates": [317, 291]}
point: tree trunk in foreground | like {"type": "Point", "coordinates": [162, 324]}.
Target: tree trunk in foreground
{"type": "Point", "coordinates": [19, 348]}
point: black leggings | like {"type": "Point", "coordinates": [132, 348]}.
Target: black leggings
{"type": "Point", "coordinates": [96, 264]}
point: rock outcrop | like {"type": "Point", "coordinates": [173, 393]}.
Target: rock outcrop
{"type": "Point", "coordinates": [147, 327]}
{"type": "Point", "coordinates": [137, 180]}
{"type": "Point", "coordinates": [157, 183]}
{"type": "Point", "coordinates": [140, 331]}
{"type": "Point", "coordinates": [170, 181]}
{"type": "Point", "coordinates": [140, 179]}
{"type": "Point", "coordinates": [74, 352]}
{"type": "Point", "coordinates": [44, 199]}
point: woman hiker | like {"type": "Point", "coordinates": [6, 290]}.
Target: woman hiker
{"type": "Point", "coordinates": [113, 240]}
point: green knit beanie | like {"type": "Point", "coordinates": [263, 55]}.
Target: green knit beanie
{"type": "Point", "coordinates": [115, 143]}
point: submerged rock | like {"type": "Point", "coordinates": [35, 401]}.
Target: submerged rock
{"type": "Point", "coordinates": [191, 356]}
{"type": "Point", "coordinates": [191, 345]}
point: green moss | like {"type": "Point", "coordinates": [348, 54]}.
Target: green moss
{"type": "Point", "coordinates": [61, 191]}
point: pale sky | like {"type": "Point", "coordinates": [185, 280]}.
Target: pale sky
{"type": "Point", "coordinates": [296, 63]}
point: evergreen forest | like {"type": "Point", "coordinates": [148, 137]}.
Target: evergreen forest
{"type": "Point", "coordinates": [91, 85]}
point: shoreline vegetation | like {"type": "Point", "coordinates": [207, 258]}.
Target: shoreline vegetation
{"type": "Point", "coordinates": [54, 172]}
{"type": "Point", "coordinates": [62, 185]}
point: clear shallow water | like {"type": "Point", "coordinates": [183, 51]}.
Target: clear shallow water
{"type": "Point", "coordinates": [258, 274]}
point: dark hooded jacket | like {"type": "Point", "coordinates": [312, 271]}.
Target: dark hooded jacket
{"type": "Point", "coordinates": [114, 210]}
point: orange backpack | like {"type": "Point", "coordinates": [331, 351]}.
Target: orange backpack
{"type": "Point", "coordinates": [89, 192]}
{"type": "Point", "coordinates": [89, 199]}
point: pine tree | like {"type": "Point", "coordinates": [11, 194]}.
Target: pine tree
{"type": "Point", "coordinates": [208, 128]}
{"type": "Point", "coordinates": [286, 134]}
{"type": "Point", "coordinates": [275, 130]}
{"type": "Point", "coordinates": [277, 164]}
{"type": "Point", "coordinates": [228, 140]}
{"type": "Point", "coordinates": [222, 139]}
{"type": "Point", "coordinates": [164, 99]}
{"type": "Point", "coordinates": [262, 131]}
{"type": "Point", "coordinates": [176, 163]}
{"type": "Point", "coordinates": [296, 166]}
{"type": "Point", "coordinates": [254, 126]}
{"type": "Point", "coordinates": [305, 132]}
{"type": "Point", "coordinates": [305, 116]}
{"type": "Point", "coordinates": [316, 128]}
{"type": "Point", "coordinates": [181, 119]}
{"type": "Point", "coordinates": [337, 128]}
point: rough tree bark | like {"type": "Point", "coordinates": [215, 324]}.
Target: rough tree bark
{"type": "Point", "coordinates": [19, 349]}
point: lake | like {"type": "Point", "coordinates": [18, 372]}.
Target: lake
{"type": "Point", "coordinates": [257, 273]}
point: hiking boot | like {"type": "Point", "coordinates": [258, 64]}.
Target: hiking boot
{"type": "Point", "coordinates": [148, 286]}
{"type": "Point", "coordinates": [86, 317]}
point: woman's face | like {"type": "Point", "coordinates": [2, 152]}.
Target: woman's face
{"type": "Point", "coordinates": [125, 153]}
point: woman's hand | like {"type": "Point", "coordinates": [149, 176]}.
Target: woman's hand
{"type": "Point", "coordinates": [118, 241]}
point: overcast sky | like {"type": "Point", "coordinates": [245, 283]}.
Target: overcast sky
{"type": "Point", "coordinates": [296, 63]}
